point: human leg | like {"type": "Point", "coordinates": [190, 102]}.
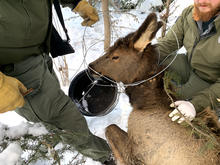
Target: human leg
{"type": "Point", "coordinates": [182, 80]}
{"type": "Point", "coordinates": [49, 104]}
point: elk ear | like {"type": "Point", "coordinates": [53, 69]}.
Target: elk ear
{"type": "Point", "coordinates": [146, 32]}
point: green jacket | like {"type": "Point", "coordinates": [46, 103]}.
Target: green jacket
{"type": "Point", "coordinates": [25, 27]}
{"type": "Point", "coordinates": [203, 54]}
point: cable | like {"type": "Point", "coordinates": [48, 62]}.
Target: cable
{"type": "Point", "coordinates": [114, 83]}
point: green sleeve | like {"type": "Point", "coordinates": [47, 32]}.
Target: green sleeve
{"type": "Point", "coordinates": [169, 44]}
{"type": "Point", "coordinates": [207, 97]}
{"type": "Point", "coordinates": [69, 3]}
{"type": "Point", "coordinates": [1, 79]}
{"type": "Point", "coordinates": [173, 40]}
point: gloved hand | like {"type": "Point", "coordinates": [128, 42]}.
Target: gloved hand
{"type": "Point", "coordinates": [186, 108]}
{"type": "Point", "coordinates": [87, 12]}
{"type": "Point", "coordinates": [11, 91]}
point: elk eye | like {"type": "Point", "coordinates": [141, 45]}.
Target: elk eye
{"type": "Point", "coordinates": [115, 58]}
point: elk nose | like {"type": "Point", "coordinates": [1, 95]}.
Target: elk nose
{"type": "Point", "coordinates": [92, 71]}
{"type": "Point", "coordinates": [90, 68]}
{"type": "Point", "coordinates": [90, 65]}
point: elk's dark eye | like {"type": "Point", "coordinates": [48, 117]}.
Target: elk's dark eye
{"type": "Point", "coordinates": [115, 58]}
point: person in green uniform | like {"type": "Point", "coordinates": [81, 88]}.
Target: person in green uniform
{"type": "Point", "coordinates": [25, 31]}
{"type": "Point", "coordinates": [195, 76]}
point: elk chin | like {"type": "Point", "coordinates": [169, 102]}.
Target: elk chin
{"type": "Point", "coordinates": [95, 76]}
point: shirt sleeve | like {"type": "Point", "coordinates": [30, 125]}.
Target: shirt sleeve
{"type": "Point", "coordinates": [69, 3]}
{"type": "Point", "coordinates": [173, 40]}
{"type": "Point", "coordinates": [208, 97]}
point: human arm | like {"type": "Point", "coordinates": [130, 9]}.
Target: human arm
{"type": "Point", "coordinates": [11, 93]}
{"type": "Point", "coordinates": [85, 10]}
{"type": "Point", "coordinates": [173, 40]}
{"type": "Point", "coordinates": [209, 97]}
{"type": "Point", "coordinates": [69, 3]}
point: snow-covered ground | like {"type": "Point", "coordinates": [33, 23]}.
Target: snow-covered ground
{"type": "Point", "coordinates": [88, 45]}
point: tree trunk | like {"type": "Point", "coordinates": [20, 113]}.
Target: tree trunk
{"type": "Point", "coordinates": [62, 67]}
{"type": "Point", "coordinates": [107, 26]}
{"type": "Point", "coordinates": [165, 18]}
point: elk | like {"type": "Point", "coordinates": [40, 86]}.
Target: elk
{"type": "Point", "coordinates": [152, 138]}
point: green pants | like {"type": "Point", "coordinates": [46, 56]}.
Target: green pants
{"type": "Point", "coordinates": [48, 103]}
{"type": "Point", "coordinates": [187, 82]}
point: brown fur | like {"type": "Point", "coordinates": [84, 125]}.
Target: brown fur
{"type": "Point", "coordinates": [152, 138]}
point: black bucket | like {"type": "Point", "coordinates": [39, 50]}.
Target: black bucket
{"type": "Point", "coordinates": [93, 97]}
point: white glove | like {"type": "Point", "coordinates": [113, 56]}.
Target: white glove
{"type": "Point", "coordinates": [186, 108]}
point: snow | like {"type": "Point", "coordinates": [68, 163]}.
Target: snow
{"type": "Point", "coordinates": [11, 154]}
{"type": "Point", "coordinates": [88, 45]}
{"type": "Point", "coordinates": [22, 129]}
{"type": "Point", "coordinates": [11, 118]}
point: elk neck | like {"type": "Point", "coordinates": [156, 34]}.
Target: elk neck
{"type": "Point", "coordinates": [148, 94]}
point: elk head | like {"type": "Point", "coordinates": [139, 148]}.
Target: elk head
{"type": "Point", "coordinates": [131, 58]}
